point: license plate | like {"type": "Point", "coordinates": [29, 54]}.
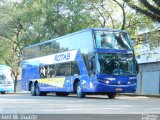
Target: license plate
{"type": "Point", "coordinates": [118, 89]}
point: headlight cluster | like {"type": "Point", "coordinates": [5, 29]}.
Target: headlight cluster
{"type": "Point", "coordinates": [132, 80]}
{"type": "Point", "coordinates": [104, 81]}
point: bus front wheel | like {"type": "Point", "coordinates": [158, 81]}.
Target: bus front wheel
{"type": "Point", "coordinates": [33, 92]}
{"type": "Point", "coordinates": [79, 91]}
{"type": "Point", "coordinates": [111, 95]}
{"type": "Point", "coordinates": [38, 92]}
{"type": "Point", "coordinates": [3, 92]}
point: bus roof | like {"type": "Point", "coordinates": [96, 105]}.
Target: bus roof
{"type": "Point", "coordinates": [84, 30]}
{"type": "Point", "coordinates": [4, 67]}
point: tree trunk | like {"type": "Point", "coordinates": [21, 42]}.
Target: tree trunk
{"type": "Point", "coordinates": [15, 84]}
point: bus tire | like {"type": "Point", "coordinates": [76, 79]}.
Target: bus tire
{"type": "Point", "coordinates": [79, 91]}
{"type": "Point", "coordinates": [38, 92]}
{"type": "Point", "coordinates": [33, 92]}
{"type": "Point", "coordinates": [43, 93]}
{"type": "Point", "coordinates": [111, 95]}
{"type": "Point", "coordinates": [62, 94]}
{"type": "Point", "coordinates": [3, 92]}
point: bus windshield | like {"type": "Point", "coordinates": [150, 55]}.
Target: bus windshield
{"type": "Point", "coordinates": [113, 40]}
{"type": "Point", "coordinates": [2, 79]}
{"type": "Point", "coordinates": [116, 64]}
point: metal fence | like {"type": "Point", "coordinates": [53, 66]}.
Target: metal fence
{"type": "Point", "coordinates": [148, 79]}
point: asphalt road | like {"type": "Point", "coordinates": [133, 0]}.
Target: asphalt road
{"type": "Point", "coordinates": [51, 104]}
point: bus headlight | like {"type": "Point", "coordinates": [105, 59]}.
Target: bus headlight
{"type": "Point", "coordinates": [104, 81]}
{"type": "Point", "coordinates": [107, 82]}
{"type": "Point", "coordinates": [132, 80]}
{"type": "Point", "coordinates": [129, 83]}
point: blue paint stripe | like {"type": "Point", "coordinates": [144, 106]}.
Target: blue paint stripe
{"type": "Point", "coordinates": [112, 51]}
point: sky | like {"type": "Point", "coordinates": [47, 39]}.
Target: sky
{"type": "Point", "coordinates": [14, 0]}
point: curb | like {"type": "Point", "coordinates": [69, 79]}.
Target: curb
{"type": "Point", "coordinates": [17, 92]}
{"type": "Point", "coordinates": [146, 95]}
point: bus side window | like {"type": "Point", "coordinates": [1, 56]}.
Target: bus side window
{"type": "Point", "coordinates": [51, 71]}
{"type": "Point", "coordinates": [60, 69]}
{"type": "Point", "coordinates": [42, 71]}
{"type": "Point", "coordinates": [68, 69]}
{"type": "Point", "coordinates": [74, 69]}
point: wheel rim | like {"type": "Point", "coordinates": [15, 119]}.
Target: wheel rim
{"type": "Point", "coordinates": [32, 90]}
{"type": "Point", "coordinates": [79, 90]}
{"type": "Point", "coordinates": [37, 90]}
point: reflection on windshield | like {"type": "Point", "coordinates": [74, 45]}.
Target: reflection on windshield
{"type": "Point", "coordinates": [116, 64]}
{"type": "Point", "coordinates": [112, 40]}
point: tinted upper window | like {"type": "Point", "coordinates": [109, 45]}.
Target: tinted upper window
{"type": "Point", "coordinates": [112, 40]}
{"type": "Point", "coordinates": [82, 41]}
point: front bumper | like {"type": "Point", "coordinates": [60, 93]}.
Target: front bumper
{"type": "Point", "coordinates": [102, 88]}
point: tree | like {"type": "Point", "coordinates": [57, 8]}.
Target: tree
{"type": "Point", "coordinates": [116, 14]}
{"type": "Point", "coordinates": [146, 7]}
{"type": "Point", "coordinates": [10, 31]}
{"type": "Point", "coordinates": [33, 21]}
{"type": "Point", "coordinates": [63, 17]}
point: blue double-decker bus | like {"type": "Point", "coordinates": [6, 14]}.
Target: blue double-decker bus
{"type": "Point", "coordinates": [91, 61]}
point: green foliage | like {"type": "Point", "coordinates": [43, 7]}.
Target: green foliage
{"type": "Point", "coordinates": [150, 8]}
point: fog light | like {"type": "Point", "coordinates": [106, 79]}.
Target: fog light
{"type": "Point", "coordinates": [129, 82]}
